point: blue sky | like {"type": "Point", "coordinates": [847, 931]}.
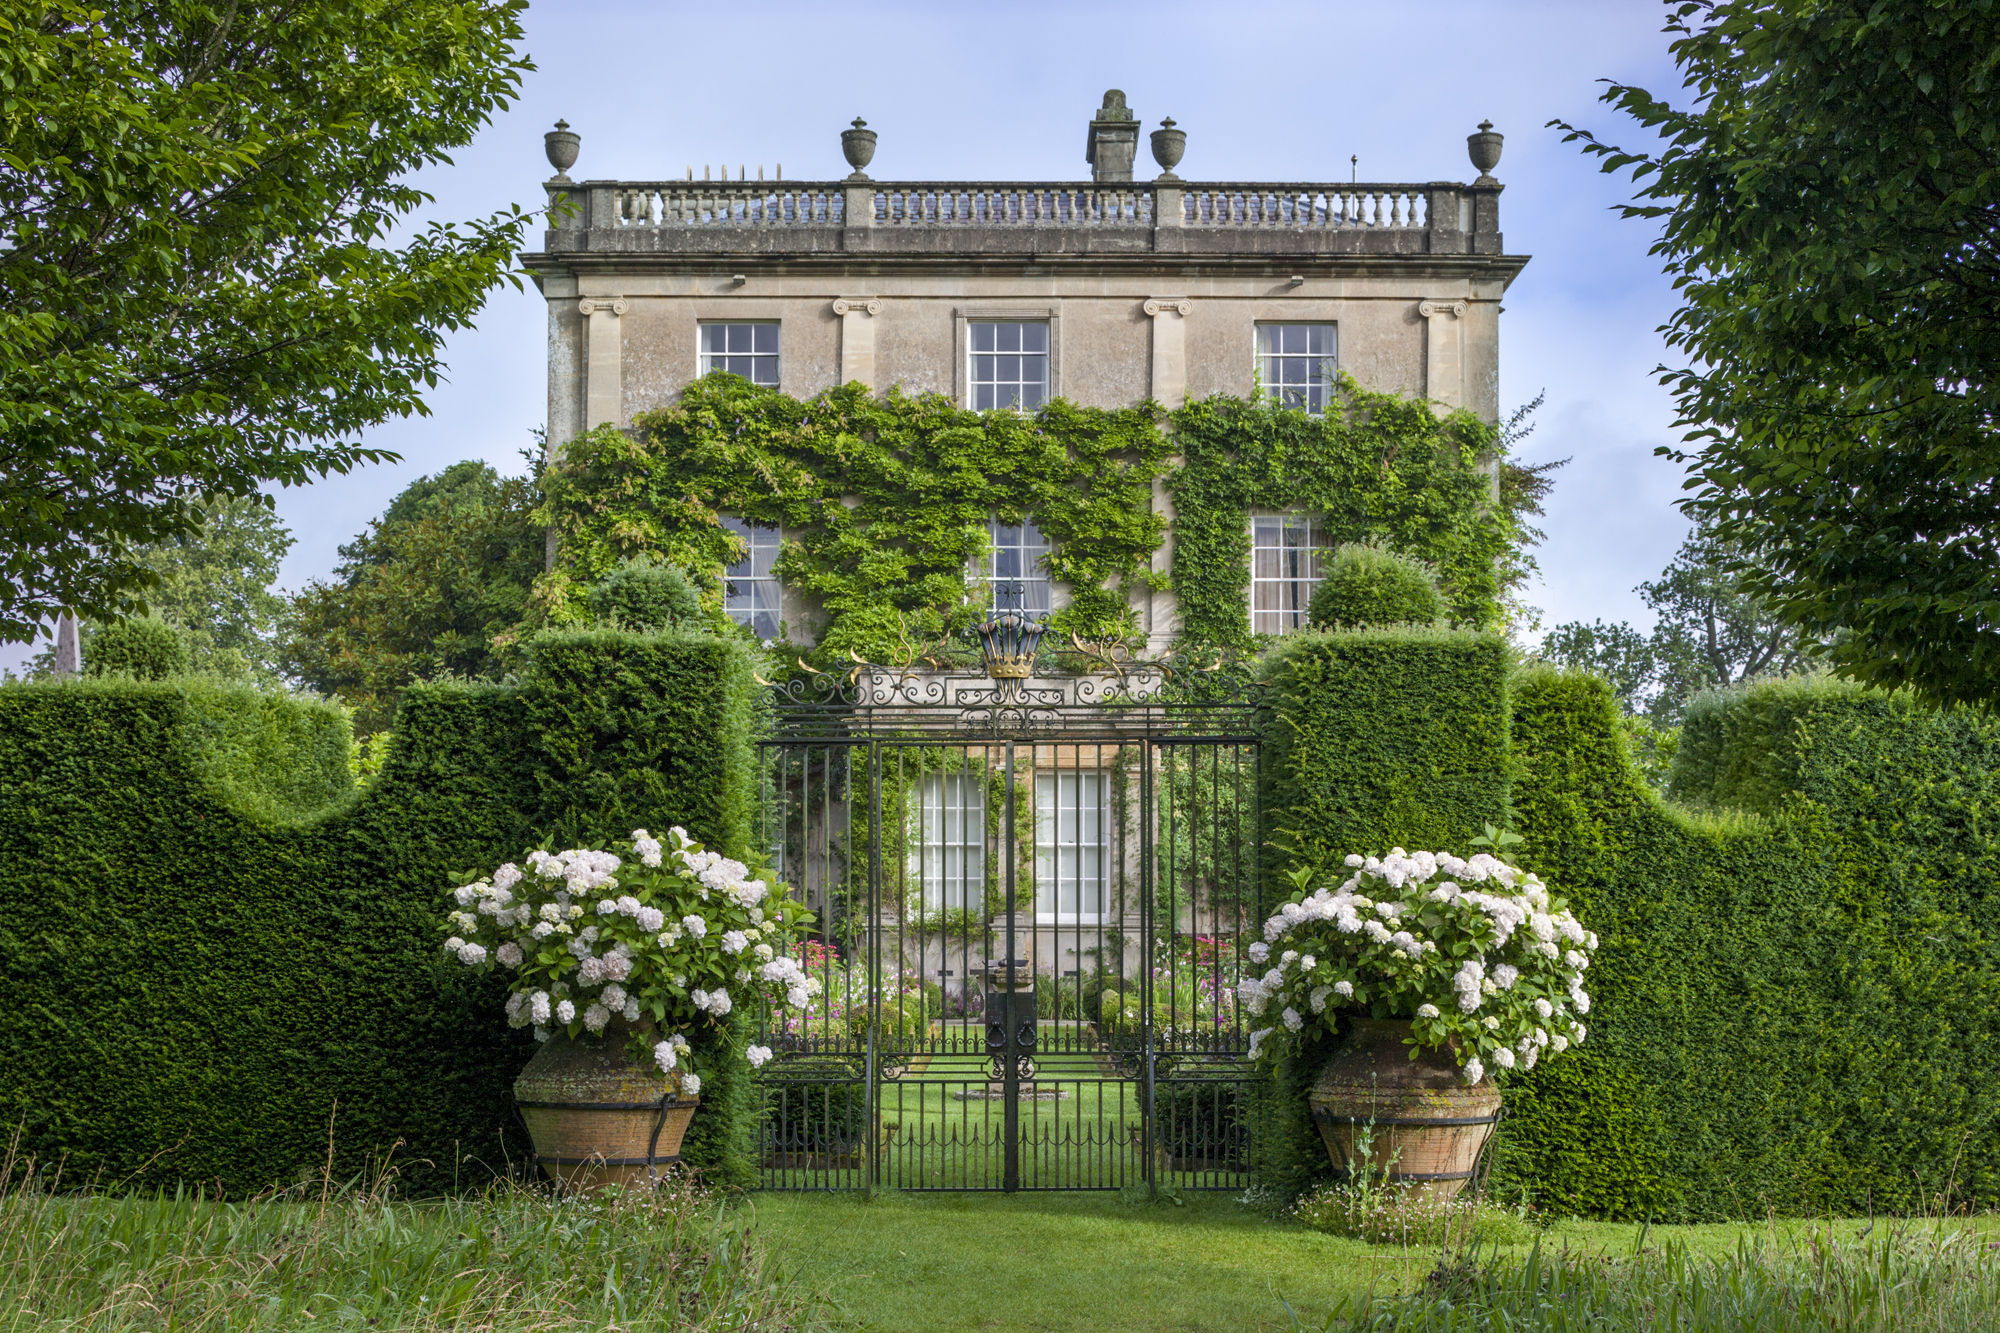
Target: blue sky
{"type": "Point", "coordinates": [1276, 91]}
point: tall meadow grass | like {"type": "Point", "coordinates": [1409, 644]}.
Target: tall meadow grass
{"type": "Point", "coordinates": [1935, 1278]}
{"type": "Point", "coordinates": [327, 1256]}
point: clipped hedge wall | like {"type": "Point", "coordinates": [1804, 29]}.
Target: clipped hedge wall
{"type": "Point", "coordinates": [206, 957]}
{"type": "Point", "coordinates": [1796, 1005]}
{"type": "Point", "coordinates": [1372, 739]}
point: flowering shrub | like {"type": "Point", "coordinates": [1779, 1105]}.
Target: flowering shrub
{"type": "Point", "coordinates": [668, 941]}
{"type": "Point", "coordinates": [1483, 961]}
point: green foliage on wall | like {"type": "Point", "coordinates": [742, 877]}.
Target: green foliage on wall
{"type": "Point", "coordinates": [1795, 1010]}
{"type": "Point", "coordinates": [1377, 467]}
{"type": "Point", "coordinates": [216, 958]}
{"type": "Point", "coordinates": [884, 501]}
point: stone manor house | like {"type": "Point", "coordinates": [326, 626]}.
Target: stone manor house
{"type": "Point", "coordinates": [1010, 293]}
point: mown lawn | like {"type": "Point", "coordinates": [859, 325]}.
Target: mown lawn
{"type": "Point", "coordinates": [930, 1263]}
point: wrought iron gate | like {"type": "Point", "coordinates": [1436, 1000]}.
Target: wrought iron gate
{"type": "Point", "coordinates": [1034, 902]}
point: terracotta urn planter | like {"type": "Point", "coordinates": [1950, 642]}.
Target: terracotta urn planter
{"type": "Point", "coordinates": [1427, 1126]}
{"type": "Point", "coordinates": [596, 1117]}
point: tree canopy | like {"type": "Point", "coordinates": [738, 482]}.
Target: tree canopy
{"type": "Point", "coordinates": [1711, 631]}
{"type": "Point", "coordinates": [1827, 212]}
{"type": "Point", "coordinates": [423, 593]}
{"type": "Point", "coordinates": [199, 293]}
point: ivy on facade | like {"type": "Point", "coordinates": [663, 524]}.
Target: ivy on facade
{"type": "Point", "coordinates": [885, 502]}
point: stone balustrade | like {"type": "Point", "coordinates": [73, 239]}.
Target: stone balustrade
{"type": "Point", "coordinates": [1010, 216]}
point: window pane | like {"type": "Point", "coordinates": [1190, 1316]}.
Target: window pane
{"type": "Point", "coordinates": [766, 337]}
{"type": "Point", "coordinates": [1285, 557]}
{"type": "Point", "coordinates": [1010, 376]}
{"type": "Point", "coordinates": [1296, 365]}
{"type": "Point", "coordinates": [714, 337]}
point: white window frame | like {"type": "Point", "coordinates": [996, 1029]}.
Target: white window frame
{"type": "Point", "coordinates": [966, 316]}
{"type": "Point", "coordinates": [1319, 390]}
{"type": "Point", "coordinates": [947, 858]}
{"type": "Point", "coordinates": [1036, 594]}
{"type": "Point", "coordinates": [1072, 846]}
{"type": "Point", "coordinates": [1294, 571]}
{"type": "Point", "coordinates": [710, 361]}
{"type": "Point", "coordinates": [761, 594]}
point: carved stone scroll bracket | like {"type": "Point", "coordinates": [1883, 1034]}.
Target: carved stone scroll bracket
{"type": "Point", "coordinates": [1169, 315]}
{"type": "Point", "coordinates": [1444, 352]}
{"type": "Point", "coordinates": [857, 337]}
{"type": "Point", "coordinates": [604, 370]}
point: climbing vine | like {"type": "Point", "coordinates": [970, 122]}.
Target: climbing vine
{"type": "Point", "coordinates": [884, 503]}
{"type": "Point", "coordinates": [1376, 467]}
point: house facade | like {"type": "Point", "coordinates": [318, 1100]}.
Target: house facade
{"type": "Point", "coordinates": [1074, 849]}
{"type": "Point", "coordinates": [1106, 292]}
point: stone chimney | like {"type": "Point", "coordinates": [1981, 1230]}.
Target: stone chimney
{"type": "Point", "coordinates": [1113, 141]}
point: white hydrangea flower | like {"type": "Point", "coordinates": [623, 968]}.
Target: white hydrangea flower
{"type": "Point", "coordinates": [613, 996]}
{"type": "Point", "coordinates": [506, 877]}
{"type": "Point", "coordinates": [665, 1056]}
{"type": "Point", "coordinates": [758, 1056]}
{"type": "Point", "coordinates": [1543, 1007]}
{"type": "Point", "coordinates": [542, 1034]}
{"type": "Point", "coordinates": [631, 1010]}
{"type": "Point", "coordinates": [607, 907]}
{"type": "Point", "coordinates": [596, 1017]}
{"type": "Point", "coordinates": [1474, 1071]}
{"type": "Point", "coordinates": [1427, 1011]}
{"type": "Point", "coordinates": [538, 1007]}
{"type": "Point", "coordinates": [1317, 1001]}
{"type": "Point", "coordinates": [1344, 989]}
{"type": "Point", "coordinates": [454, 944]}
{"type": "Point", "coordinates": [472, 955]}
{"type": "Point", "coordinates": [690, 1085]}
{"type": "Point", "coordinates": [566, 1012]}
{"type": "Point", "coordinates": [1505, 975]}
{"type": "Point", "coordinates": [649, 919]}
{"type": "Point", "coordinates": [734, 942]}
{"type": "Point", "coordinates": [1504, 1058]}
{"type": "Point", "coordinates": [542, 930]}
{"type": "Point", "coordinates": [763, 953]}
{"type": "Point", "coordinates": [1260, 953]}
{"type": "Point", "coordinates": [1558, 1043]}
{"type": "Point", "coordinates": [696, 926]}
{"type": "Point", "coordinates": [1293, 1019]}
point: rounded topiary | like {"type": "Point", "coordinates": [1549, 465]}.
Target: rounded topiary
{"type": "Point", "coordinates": [643, 593]}
{"type": "Point", "coordinates": [142, 648]}
{"type": "Point", "coordinates": [1366, 585]}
